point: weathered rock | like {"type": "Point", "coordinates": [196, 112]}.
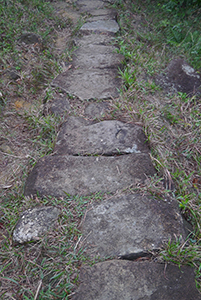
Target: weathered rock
{"type": "Point", "coordinates": [130, 224]}
{"type": "Point", "coordinates": [88, 5]}
{"type": "Point", "coordinates": [105, 138]}
{"type": "Point", "coordinates": [30, 38]}
{"type": "Point", "coordinates": [125, 280]}
{"type": "Point", "coordinates": [96, 110]}
{"type": "Point", "coordinates": [89, 84]}
{"type": "Point", "coordinates": [34, 223]}
{"type": "Point", "coordinates": [60, 106]}
{"type": "Point", "coordinates": [181, 77]}
{"type": "Point", "coordinates": [102, 14]}
{"type": "Point", "coordinates": [61, 174]}
{"type": "Point", "coordinates": [93, 39]}
{"type": "Point", "coordinates": [97, 57]}
{"type": "Point", "coordinates": [106, 26]}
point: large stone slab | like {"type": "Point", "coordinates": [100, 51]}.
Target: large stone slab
{"type": "Point", "coordinates": [102, 14]}
{"type": "Point", "coordinates": [61, 174]}
{"type": "Point", "coordinates": [97, 56]}
{"type": "Point", "coordinates": [89, 84]}
{"type": "Point", "coordinates": [125, 280]}
{"type": "Point", "coordinates": [93, 39]}
{"type": "Point", "coordinates": [106, 137]}
{"type": "Point", "coordinates": [106, 26]}
{"type": "Point", "coordinates": [89, 5]}
{"type": "Point", "coordinates": [130, 224]}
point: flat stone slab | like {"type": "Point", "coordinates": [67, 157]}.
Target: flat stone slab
{"type": "Point", "coordinates": [34, 223]}
{"type": "Point", "coordinates": [125, 280]}
{"type": "Point", "coordinates": [61, 174]}
{"type": "Point", "coordinates": [96, 110]}
{"type": "Point", "coordinates": [107, 26]}
{"type": "Point", "coordinates": [102, 14]}
{"type": "Point", "coordinates": [88, 5]}
{"type": "Point", "coordinates": [131, 224]}
{"type": "Point", "coordinates": [106, 138]}
{"type": "Point", "coordinates": [97, 56]}
{"type": "Point", "coordinates": [93, 39]}
{"type": "Point", "coordinates": [89, 84]}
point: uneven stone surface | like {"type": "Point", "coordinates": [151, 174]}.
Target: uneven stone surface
{"type": "Point", "coordinates": [93, 39]}
{"type": "Point", "coordinates": [96, 110]}
{"type": "Point", "coordinates": [126, 280]}
{"type": "Point", "coordinates": [180, 76]}
{"type": "Point", "coordinates": [88, 5]}
{"type": "Point", "coordinates": [127, 225]}
{"type": "Point", "coordinates": [105, 138]}
{"type": "Point", "coordinates": [30, 38]}
{"type": "Point", "coordinates": [89, 84]}
{"type": "Point", "coordinates": [33, 223]}
{"type": "Point", "coordinates": [61, 174]}
{"type": "Point", "coordinates": [107, 26]}
{"type": "Point", "coordinates": [60, 106]}
{"type": "Point", "coordinates": [97, 56]}
{"type": "Point", "coordinates": [131, 224]}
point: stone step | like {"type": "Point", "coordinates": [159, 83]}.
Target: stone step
{"type": "Point", "coordinates": [89, 84]}
{"type": "Point", "coordinates": [77, 136]}
{"type": "Point", "coordinates": [126, 280]}
{"type": "Point", "coordinates": [130, 224]}
{"type": "Point", "coordinates": [60, 174]}
{"type": "Point", "coordinates": [102, 26]}
{"type": "Point", "coordinates": [94, 56]}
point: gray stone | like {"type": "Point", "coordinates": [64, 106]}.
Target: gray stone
{"type": "Point", "coordinates": [102, 14]}
{"type": "Point", "coordinates": [180, 77]}
{"type": "Point", "coordinates": [96, 110]}
{"type": "Point", "coordinates": [89, 84]}
{"type": "Point", "coordinates": [126, 280]}
{"type": "Point", "coordinates": [61, 174]}
{"type": "Point", "coordinates": [93, 39]}
{"type": "Point", "coordinates": [88, 5]}
{"type": "Point", "coordinates": [131, 224]}
{"type": "Point", "coordinates": [105, 138]}
{"type": "Point", "coordinates": [30, 38]}
{"type": "Point", "coordinates": [107, 26]}
{"type": "Point", "coordinates": [34, 223]}
{"type": "Point", "coordinates": [60, 106]}
{"type": "Point", "coordinates": [97, 57]}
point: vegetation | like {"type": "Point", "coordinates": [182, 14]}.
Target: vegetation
{"type": "Point", "coordinates": [152, 33]}
{"type": "Point", "coordinates": [152, 36]}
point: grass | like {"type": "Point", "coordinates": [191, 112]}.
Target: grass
{"type": "Point", "coordinates": [172, 122]}
{"type": "Point", "coordinates": [149, 39]}
{"type": "Point", "coordinates": [53, 262]}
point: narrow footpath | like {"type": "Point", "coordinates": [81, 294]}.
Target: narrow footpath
{"type": "Point", "coordinates": [128, 229]}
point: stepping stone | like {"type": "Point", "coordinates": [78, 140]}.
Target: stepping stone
{"type": "Point", "coordinates": [102, 14]}
{"type": "Point", "coordinates": [130, 224]}
{"type": "Point", "coordinates": [93, 39]}
{"type": "Point", "coordinates": [126, 280]}
{"type": "Point", "coordinates": [88, 5]}
{"type": "Point", "coordinates": [107, 26]}
{"type": "Point", "coordinates": [60, 106]}
{"type": "Point", "coordinates": [89, 84]}
{"type": "Point", "coordinates": [96, 110]}
{"type": "Point", "coordinates": [34, 223]}
{"type": "Point", "coordinates": [105, 138]}
{"type": "Point", "coordinates": [97, 57]}
{"type": "Point", "coordinates": [61, 174]}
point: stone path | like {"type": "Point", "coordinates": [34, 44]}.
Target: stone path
{"type": "Point", "coordinates": [108, 156]}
